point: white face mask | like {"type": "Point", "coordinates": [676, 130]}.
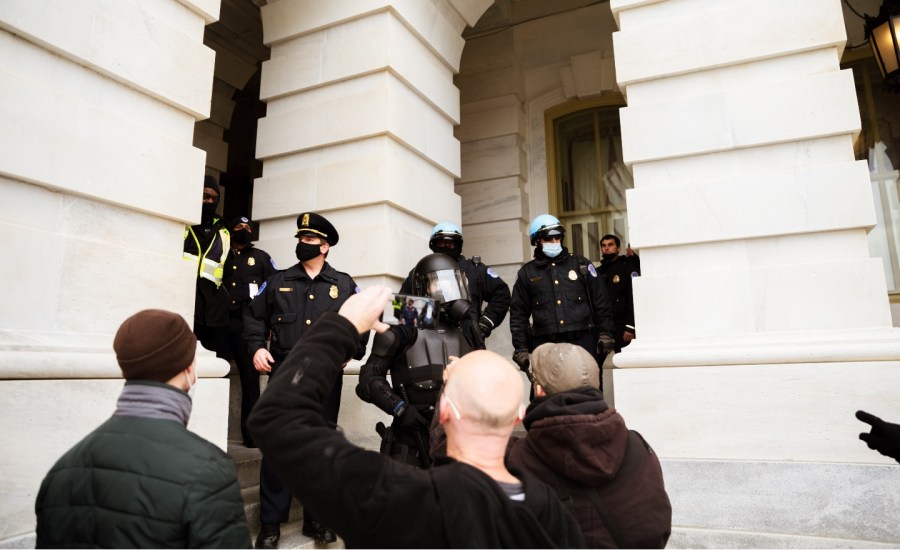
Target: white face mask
{"type": "Point", "coordinates": [551, 250]}
{"type": "Point", "coordinates": [192, 387]}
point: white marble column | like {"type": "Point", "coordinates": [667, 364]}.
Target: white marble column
{"type": "Point", "coordinates": [98, 176]}
{"type": "Point", "coordinates": [764, 323]}
{"type": "Point", "coordinates": [359, 127]}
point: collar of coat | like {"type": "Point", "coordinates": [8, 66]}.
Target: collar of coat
{"type": "Point", "coordinates": [297, 271]}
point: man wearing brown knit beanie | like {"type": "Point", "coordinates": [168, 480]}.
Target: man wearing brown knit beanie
{"type": "Point", "coordinates": [141, 479]}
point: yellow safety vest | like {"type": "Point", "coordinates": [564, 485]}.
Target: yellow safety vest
{"type": "Point", "coordinates": [209, 268]}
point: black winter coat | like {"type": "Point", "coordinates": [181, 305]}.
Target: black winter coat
{"type": "Point", "coordinates": [558, 298]}
{"type": "Point", "coordinates": [289, 302]}
{"type": "Point", "coordinates": [374, 501]}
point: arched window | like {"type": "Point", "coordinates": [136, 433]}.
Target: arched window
{"type": "Point", "coordinates": [586, 173]}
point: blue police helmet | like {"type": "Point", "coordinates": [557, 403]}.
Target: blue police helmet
{"type": "Point", "coordinates": [445, 230]}
{"type": "Point", "coordinates": [545, 224]}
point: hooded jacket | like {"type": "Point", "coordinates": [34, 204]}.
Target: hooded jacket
{"type": "Point", "coordinates": [576, 439]}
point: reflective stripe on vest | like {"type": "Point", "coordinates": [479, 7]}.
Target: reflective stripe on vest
{"type": "Point", "coordinates": [211, 270]}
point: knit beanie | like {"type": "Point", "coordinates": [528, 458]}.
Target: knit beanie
{"type": "Point", "coordinates": [210, 181]}
{"type": "Point", "coordinates": [154, 345]}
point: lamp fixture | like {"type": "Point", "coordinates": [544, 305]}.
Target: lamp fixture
{"type": "Point", "coordinates": [883, 34]}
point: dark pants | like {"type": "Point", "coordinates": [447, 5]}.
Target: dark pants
{"type": "Point", "coordinates": [274, 496]}
{"type": "Point", "coordinates": [248, 373]}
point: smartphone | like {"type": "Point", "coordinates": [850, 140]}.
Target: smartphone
{"type": "Point", "coordinates": [409, 310]}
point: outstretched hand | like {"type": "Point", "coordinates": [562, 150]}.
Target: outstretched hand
{"type": "Point", "coordinates": [364, 309]}
{"type": "Point", "coordinates": [884, 437]}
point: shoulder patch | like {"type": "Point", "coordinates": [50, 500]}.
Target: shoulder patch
{"type": "Point", "coordinates": [356, 290]}
{"type": "Point", "coordinates": [492, 273]}
{"type": "Point", "coordinates": [635, 274]}
{"type": "Point", "coordinates": [591, 269]}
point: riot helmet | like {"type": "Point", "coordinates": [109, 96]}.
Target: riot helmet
{"type": "Point", "coordinates": [440, 277]}
{"type": "Point", "coordinates": [446, 238]}
{"type": "Point", "coordinates": [545, 226]}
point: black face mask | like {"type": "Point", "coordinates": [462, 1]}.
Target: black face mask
{"type": "Point", "coordinates": [609, 257]}
{"type": "Point", "coordinates": [208, 212]}
{"type": "Point", "coordinates": [306, 251]}
{"type": "Point", "coordinates": [453, 251]}
{"type": "Point", "coordinates": [241, 237]}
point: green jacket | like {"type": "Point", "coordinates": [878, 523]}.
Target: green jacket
{"type": "Point", "coordinates": [142, 483]}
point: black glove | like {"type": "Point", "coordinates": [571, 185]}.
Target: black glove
{"type": "Point", "coordinates": [486, 326]}
{"type": "Point", "coordinates": [884, 437]}
{"type": "Point", "coordinates": [408, 418]}
{"type": "Point", "coordinates": [606, 344]}
{"type": "Point", "coordinates": [520, 356]}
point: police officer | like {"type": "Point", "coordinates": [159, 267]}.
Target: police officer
{"type": "Point", "coordinates": [485, 285]}
{"type": "Point", "coordinates": [246, 268]}
{"type": "Point", "coordinates": [415, 357]}
{"type": "Point", "coordinates": [562, 295]}
{"type": "Point", "coordinates": [206, 245]}
{"type": "Point", "coordinates": [617, 272]}
{"type": "Point", "coordinates": [287, 304]}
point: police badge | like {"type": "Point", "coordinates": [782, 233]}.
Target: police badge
{"type": "Point", "coordinates": [251, 261]}
{"type": "Point", "coordinates": [572, 275]}
{"type": "Point", "coordinates": [333, 292]}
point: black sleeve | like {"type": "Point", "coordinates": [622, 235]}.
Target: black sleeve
{"type": "Point", "coordinates": [268, 266]}
{"type": "Point", "coordinates": [602, 307]}
{"type": "Point", "coordinates": [373, 386]}
{"type": "Point", "coordinates": [519, 311]}
{"type": "Point", "coordinates": [348, 488]}
{"type": "Point", "coordinates": [495, 291]}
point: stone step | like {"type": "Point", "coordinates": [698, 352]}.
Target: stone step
{"type": "Point", "coordinates": [246, 461]}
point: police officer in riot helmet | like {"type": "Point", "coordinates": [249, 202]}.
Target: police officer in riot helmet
{"type": "Point", "coordinates": [558, 297]}
{"type": "Point", "coordinates": [485, 285]}
{"type": "Point", "coordinates": [415, 357]}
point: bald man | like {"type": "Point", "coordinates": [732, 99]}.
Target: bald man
{"type": "Point", "coordinates": [468, 499]}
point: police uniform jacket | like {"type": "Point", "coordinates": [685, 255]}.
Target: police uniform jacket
{"type": "Point", "coordinates": [617, 274]}
{"type": "Point", "coordinates": [289, 302]}
{"type": "Point", "coordinates": [558, 298]}
{"type": "Point", "coordinates": [374, 501]}
{"type": "Point", "coordinates": [245, 267]}
{"type": "Point", "coordinates": [485, 285]}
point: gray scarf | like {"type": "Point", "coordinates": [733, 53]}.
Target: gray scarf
{"type": "Point", "coordinates": [149, 399]}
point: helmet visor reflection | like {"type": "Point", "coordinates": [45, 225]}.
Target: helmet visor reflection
{"type": "Point", "coordinates": [447, 285]}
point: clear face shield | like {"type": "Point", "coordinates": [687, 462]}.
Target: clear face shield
{"type": "Point", "coordinates": [447, 285]}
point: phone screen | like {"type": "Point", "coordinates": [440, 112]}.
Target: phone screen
{"type": "Point", "coordinates": [409, 310]}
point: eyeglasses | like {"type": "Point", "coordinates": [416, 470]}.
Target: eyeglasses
{"type": "Point", "coordinates": [453, 407]}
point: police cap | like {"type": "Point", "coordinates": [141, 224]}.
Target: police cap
{"type": "Point", "coordinates": [310, 223]}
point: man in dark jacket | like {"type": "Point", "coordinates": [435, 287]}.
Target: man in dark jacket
{"type": "Point", "coordinates": [469, 500]}
{"type": "Point", "coordinates": [287, 305]}
{"type": "Point", "coordinates": [558, 297]}
{"type": "Point", "coordinates": [142, 480]}
{"type": "Point", "coordinates": [607, 474]}
{"type": "Point", "coordinates": [617, 272]}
